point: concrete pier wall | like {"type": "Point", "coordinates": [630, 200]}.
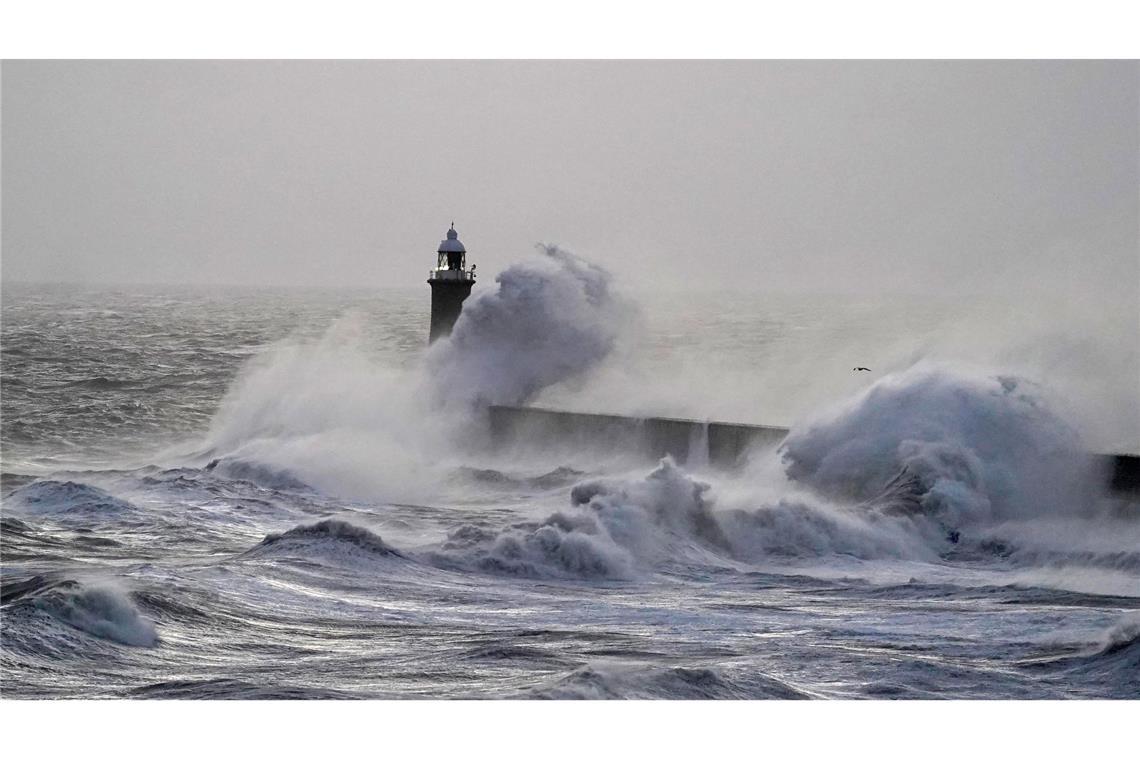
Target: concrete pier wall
{"type": "Point", "coordinates": [721, 444]}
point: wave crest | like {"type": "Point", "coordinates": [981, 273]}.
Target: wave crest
{"type": "Point", "coordinates": [614, 527]}
{"type": "Point", "coordinates": [98, 608]}
{"type": "Point", "coordinates": [563, 545]}
{"type": "Point", "coordinates": [324, 539]}
{"type": "Point", "coordinates": [1123, 636]}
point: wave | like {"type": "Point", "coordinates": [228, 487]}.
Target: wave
{"type": "Point", "coordinates": [1112, 661]}
{"type": "Point", "coordinates": [99, 608]}
{"type": "Point", "coordinates": [615, 529]}
{"type": "Point", "coordinates": [256, 473]}
{"type": "Point", "coordinates": [638, 682]}
{"type": "Point", "coordinates": [1122, 637]}
{"type": "Point", "coordinates": [670, 517]}
{"type": "Point", "coordinates": [668, 521]}
{"type": "Point", "coordinates": [327, 540]}
{"type": "Point", "coordinates": [14, 526]}
{"type": "Point", "coordinates": [977, 448]}
{"type": "Point", "coordinates": [620, 529]}
{"type": "Point", "coordinates": [791, 529]}
{"type": "Point", "coordinates": [1019, 550]}
{"type": "Point", "coordinates": [65, 498]}
{"type": "Point", "coordinates": [561, 546]}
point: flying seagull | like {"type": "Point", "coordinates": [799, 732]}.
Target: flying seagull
{"type": "Point", "coordinates": [861, 369]}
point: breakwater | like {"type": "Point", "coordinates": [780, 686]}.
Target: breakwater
{"type": "Point", "coordinates": [720, 444]}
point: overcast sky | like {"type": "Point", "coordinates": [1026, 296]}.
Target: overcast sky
{"type": "Point", "coordinates": [875, 177]}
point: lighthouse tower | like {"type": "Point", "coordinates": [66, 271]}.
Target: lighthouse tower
{"type": "Point", "coordinates": [451, 283]}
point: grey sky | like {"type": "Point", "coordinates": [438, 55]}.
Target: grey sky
{"type": "Point", "coordinates": [868, 176]}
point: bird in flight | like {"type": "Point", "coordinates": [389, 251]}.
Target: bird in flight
{"type": "Point", "coordinates": [861, 369]}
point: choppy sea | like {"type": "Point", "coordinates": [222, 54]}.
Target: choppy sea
{"type": "Point", "coordinates": [285, 494]}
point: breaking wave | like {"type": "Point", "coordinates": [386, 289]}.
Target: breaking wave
{"type": "Point", "coordinates": [621, 528]}
{"type": "Point", "coordinates": [98, 608]}
{"type": "Point", "coordinates": [256, 473]}
{"type": "Point", "coordinates": [614, 529]}
{"type": "Point", "coordinates": [977, 447]}
{"type": "Point", "coordinates": [1112, 660]}
{"type": "Point", "coordinates": [562, 546]}
{"type": "Point", "coordinates": [1121, 637]}
{"type": "Point", "coordinates": [934, 464]}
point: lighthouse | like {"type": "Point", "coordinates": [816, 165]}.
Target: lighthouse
{"type": "Point", "coordinates": [451, 283]}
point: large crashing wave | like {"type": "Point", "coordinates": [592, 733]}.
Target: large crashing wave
{"type": "Point", "coordinates": [326, 414]}
{"type": "Point", "coordinates": [549, 320]}
{"type": "Point", "coordinates": [977, 447]}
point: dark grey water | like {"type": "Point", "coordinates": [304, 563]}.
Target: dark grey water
{"type": "Point", "coordinates": [263, 494]}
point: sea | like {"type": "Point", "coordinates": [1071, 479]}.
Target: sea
{"type": "Point", "coordinates": [228, 493]}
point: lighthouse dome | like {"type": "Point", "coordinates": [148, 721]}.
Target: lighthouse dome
{"type": "Point", "coordinates": [452, 244]}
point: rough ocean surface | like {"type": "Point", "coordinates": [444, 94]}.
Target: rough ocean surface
{"type": "Point", "coordinates": [285, 494]}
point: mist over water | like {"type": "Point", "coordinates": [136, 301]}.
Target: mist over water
{"type": "Point", "coordinates": [287, 493]}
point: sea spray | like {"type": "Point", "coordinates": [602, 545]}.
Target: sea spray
{"type": "Point", "coordinates": [100, 607]}
{"type": "Point", "coordinates": [980, 447]}
{"type": "Point", "coordinates": [326, 413]}
{"type": "Point", "coordinates": [668, 501]}
{"type": "Point", "coordinates": [550, 319]}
